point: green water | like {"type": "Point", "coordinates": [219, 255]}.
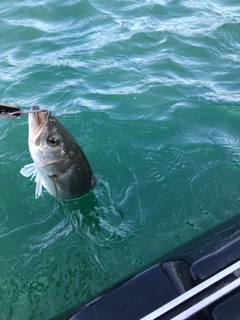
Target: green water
{"type": "Point", "coordinates": [150, 90]}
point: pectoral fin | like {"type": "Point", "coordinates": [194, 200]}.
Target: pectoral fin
{"type": "Point", "coordinates": [38, 189]}
{"type": "Point", "coordinates": [30, 170]}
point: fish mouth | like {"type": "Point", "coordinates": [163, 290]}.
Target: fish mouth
{"type": "Point", "coordinates": [37, 122]}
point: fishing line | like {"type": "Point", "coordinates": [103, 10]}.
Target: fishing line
{"type": "Point", "coordinates": [12, 111]}
{"type": "Point", "coordinates": [25, 112]}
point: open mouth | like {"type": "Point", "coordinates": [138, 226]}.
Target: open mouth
{"type": "Point", "coordinates": [37, 121]}
{"type": "Point", "coordinates": [38, 116]}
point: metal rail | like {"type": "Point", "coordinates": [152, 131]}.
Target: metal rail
{"type": "Point", "coordinates": [207, 301]}
{"type": "Point", "coordinates": [194, 291]}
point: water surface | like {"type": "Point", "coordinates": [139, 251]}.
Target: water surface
{"type": "Point", "coordinates": [150, 90]}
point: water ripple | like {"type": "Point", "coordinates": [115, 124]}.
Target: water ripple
{"type": "Point", "coordinates": [150, 90]}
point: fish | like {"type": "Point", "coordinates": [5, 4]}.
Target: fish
{"type": "Point", "coordinates": [59, 163]}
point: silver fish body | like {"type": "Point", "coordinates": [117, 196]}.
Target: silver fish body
{"type": "Point", "coordinates": [60, 165]}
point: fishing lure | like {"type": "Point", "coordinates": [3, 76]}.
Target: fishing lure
{"type": "Point", "coordinates": [12, 111]}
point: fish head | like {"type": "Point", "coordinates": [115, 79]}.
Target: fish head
{"type": "Point", "coordinates": [47, 140]}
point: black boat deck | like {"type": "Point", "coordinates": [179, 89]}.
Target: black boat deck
{"type": "Point", "coordinates": [160, 291]}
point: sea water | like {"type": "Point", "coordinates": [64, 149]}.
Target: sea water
{"type": "Point", "coordinates": [151, 92]}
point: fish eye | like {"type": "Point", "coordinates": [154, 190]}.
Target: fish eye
{"type": "Point", "coordinates": [52, 141]}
